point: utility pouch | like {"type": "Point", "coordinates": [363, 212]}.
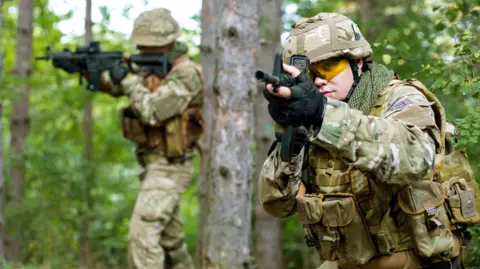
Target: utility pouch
{"type": "Point", "coordinates": [175, 147]}
{"type": "Point", "coordinates": [132, 128]}
{"type": "Point", "coordinates": [422, 203]}
{"type": "Point", "coordinates": [309, 208]}
{"type": "Point", "coordinates": [192, 126]}
{"type": "Point", "coordinates": [463, 195]}
{"type": "Point", "coordinates": [142, 135]}
{"type": "Point", "coordinates": [460, 201]}
{"type": "Point", "coordinates": [342, 233]}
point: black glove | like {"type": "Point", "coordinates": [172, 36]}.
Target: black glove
{"type": "Point", "coordinates": [118, 72]}
{"type": "Point", "coordinates": [305, 107]}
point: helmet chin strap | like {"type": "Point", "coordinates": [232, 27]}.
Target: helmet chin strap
{"type": "Point", "coordinates": [356, 79]}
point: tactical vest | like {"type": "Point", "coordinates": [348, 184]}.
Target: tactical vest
{"type": "Point", "coordinates": [350, 218]}
{"type": "Point", "coordinates": [178, 134]}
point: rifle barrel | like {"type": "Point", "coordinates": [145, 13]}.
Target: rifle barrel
{"type": "Point", "coordinates": [267, 78]}
{"type": "Point", "coordinates": [46, 57]}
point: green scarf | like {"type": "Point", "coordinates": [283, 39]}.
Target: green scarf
{"type": "Point", "coordinates": [371, 84]}
{"type": "Point", "coordinates": [179, 49]}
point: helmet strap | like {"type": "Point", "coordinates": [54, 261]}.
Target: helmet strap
{"type": "Point", "coordinates": [356, 78]}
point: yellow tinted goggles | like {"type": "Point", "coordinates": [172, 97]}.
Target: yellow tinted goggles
{"type": "Point", "coordinates": [327, 69]}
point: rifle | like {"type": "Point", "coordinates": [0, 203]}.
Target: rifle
{"type": "Point", "coordinates": [277, 79]}
{"type": "Point", "coordinates": [91, 61]}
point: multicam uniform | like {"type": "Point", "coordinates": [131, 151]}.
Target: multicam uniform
{"type": "Point", "coordinates": [358, 185]}
{"type": "Point", "coordinates": [164, 121]}
{"type": "Point", "coordinates": [370, 157]}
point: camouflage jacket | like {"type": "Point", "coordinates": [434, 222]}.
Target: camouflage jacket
{"type": "Point", "coordinates": [181, 88]}
{"type": "Point", "coordinates": [396, 147]}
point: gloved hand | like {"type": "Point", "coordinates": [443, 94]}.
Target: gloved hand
{"type": "Point", "coordinates": [118, 72]}
{"type": "Point", "coordinates": [306, 105]}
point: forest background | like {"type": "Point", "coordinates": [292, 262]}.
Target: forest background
{"type": "Point", "coordinates": [68, 189]}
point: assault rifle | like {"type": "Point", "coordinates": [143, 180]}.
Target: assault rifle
{"type": "Point", "coordinates": [277, 79]}
{"type": "Point", "coordinates": [91, 62]}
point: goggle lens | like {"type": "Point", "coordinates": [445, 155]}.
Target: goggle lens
{"type": "Point", "coordinates": [327, 69]}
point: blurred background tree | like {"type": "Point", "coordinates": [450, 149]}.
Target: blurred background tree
{"type": "Point", "coordinates": [69, 196]}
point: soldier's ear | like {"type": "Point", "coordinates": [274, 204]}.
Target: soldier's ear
{"type": "Point", "coordinates": [360, 64]}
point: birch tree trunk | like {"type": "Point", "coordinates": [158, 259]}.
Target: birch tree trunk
{"type": "Point", "coordinates": [267, 229]}
{"type": "Point", "coordinates": [20, 119]}
{"type": "Point", "coordinates": [226, 200]}
{"type": "Point", "coordinates": [84, 251]}
{"type": "Point", "coordinates": [2, 179]}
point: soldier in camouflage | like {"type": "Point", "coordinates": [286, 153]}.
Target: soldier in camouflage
{"type": "Point", "coordinates": [164, 121]}
{"type": "Point", "coordinates": [356, 176]}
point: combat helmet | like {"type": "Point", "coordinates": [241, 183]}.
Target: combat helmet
{"type": "Point", "coordinates": [325, 36]}
{"type": "Point", "coordinates": [155, 27]}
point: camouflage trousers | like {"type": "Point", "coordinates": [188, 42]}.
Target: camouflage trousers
{"type": "Point", "coordinates": [156, 238]}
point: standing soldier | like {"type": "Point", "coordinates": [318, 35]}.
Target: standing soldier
{"type": "Point", "coordinates": [366, 172]}
{"type": "Point", "coordinates": [164, 121]}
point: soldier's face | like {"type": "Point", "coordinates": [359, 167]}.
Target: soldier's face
{"type": "Point", "coordinates": [338, 87]}
{"type": "Point", "coordinates": [154, 49]}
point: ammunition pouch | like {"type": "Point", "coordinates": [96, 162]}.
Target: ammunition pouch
{"type": "Point", "coordinates": [145, 136]}
{"type": "Point", "coordinates": [183, 132]}
{"type": "Point", "coordinates": [178, 135]}
{"type": "Point", "coordinates": [335, 227]}
{"type": "Point", "coordinates": [422, 205]}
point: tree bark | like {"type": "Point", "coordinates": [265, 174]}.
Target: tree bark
{"type": "Point", "coordinates": [20, 105]}
{"type": "Point", "coordinates": [208, 59]}
{"type": "Point", "coordinates": [84, 252]}
{"type": "Point", "coordinates": [226, 202]}
{"type": "Point", "coordinates": [366, 15]}
{"type": "Point", "coordinates": [267, 229]}
{"type": "Point", "coordinates": [2, 179]}
{"type": "Point", "coordinates": [20, 119]}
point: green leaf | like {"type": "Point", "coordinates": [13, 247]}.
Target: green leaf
{"type": "Point", "coordinates": [440, 26]}
{"type": "Point", "coordinates": [386, 58]}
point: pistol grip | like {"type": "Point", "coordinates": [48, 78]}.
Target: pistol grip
{"type": "Point", "coordinates": [93, 83]}
{"type": "Point", "coordinates": [286, 145]}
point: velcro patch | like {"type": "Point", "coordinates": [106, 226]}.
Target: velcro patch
{"type": "Point", "coordinates": [402, 105]}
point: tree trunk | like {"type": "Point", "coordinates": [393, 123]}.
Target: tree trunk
{"type": "Point", "coordinates": [84, 254]}
{"type": "Point", "coordinates": [268, 229]}
{"type": "Point", "coordinates": [20, 107]}
{"type": "Point", "coordinates": [208, 59]}
{"type": "Point", "coordinates": [2, 180]}
{"type": "Point", "coordinates": [366, 15]}
{"type": "Point", "coordinates": [226, 202]}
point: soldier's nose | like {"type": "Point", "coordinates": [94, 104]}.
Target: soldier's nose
{"type": "Point", "coordinates": [319, 82]}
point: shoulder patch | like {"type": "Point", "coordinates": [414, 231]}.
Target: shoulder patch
{"type": "Point", "coordinates": [402, 104]}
